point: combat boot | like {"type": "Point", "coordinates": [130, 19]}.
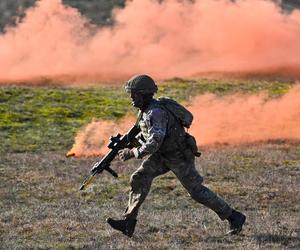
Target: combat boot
{"type": "Point", "coordinates": [236, 221]}
{"type": "Point", "coordinates": [126, 226]}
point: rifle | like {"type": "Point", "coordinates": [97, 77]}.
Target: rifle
{"type": "Point", "coordinates": [117, 143]}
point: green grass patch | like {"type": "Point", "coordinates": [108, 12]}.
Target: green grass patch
{"type": "Point", "coordinates": [34, 119]}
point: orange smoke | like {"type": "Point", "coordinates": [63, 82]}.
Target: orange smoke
{"type": "Point", "coordinates": [230, 120]}
{"type": "Point", "coordinates": [165, 39]}
{"type": "Point", "coordinates": [242, 119]}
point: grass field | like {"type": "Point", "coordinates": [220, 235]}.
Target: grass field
{"type": "Point", "coordinates": [47, 118]}
{"type": "Point", "coordinates": [41, 207]}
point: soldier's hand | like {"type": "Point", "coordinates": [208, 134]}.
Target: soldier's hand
{"type": "Point", "coordinates": [125, 154]}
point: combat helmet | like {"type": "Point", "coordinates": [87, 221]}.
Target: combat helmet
{"type": "Point", "coordinates": [141, 83]}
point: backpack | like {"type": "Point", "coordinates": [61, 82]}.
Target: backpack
{"type": "Point", "coordinates": [184, 118]}
{"type": "Point", "coordinates": [182, 115]}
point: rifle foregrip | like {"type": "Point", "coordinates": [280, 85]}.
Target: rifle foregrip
{"type": "Point", "coordinates": [113, 173]}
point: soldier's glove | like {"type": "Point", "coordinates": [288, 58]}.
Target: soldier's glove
{"type": "Point", "coordinates": [125, 154]}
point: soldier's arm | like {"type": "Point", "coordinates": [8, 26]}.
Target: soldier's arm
{"type": "Point", "coordinates": [157, 123]}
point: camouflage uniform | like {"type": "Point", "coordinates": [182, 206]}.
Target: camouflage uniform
{"type": "Point", "coordinates": [164, 148]}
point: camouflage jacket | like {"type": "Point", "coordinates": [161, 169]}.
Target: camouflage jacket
{"type": "Point", "coordinates": [153, 123]}
{"type": "Point", "coordinates": [157, 131]}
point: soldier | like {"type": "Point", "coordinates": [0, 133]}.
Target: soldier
{"type": "Point", "coordinates": [163, 139]}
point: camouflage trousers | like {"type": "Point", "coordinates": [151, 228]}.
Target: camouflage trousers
{"type": "Point", "coordinates": [185, 171]}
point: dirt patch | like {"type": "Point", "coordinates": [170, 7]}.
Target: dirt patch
{"type": "Point", "coordinates": [41, 206]}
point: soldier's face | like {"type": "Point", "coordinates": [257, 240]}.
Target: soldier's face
{"type": "Point", "coordinates": [137, 99]}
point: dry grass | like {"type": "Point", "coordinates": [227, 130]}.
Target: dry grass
{"type": "Point", "coordinates": [41, 207]}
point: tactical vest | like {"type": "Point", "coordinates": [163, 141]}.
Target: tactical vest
{"type": "Point", "coordinates": [179, 119]}
{"type": "Point", "coordinates": [176, 139]}
{"type": "Point", "coordinates": [175, 136]}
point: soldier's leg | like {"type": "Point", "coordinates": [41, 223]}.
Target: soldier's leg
{"type": "Point", "coordinates": [192, 181]}
{"type": "Point", "coordinates": [140, 182]}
